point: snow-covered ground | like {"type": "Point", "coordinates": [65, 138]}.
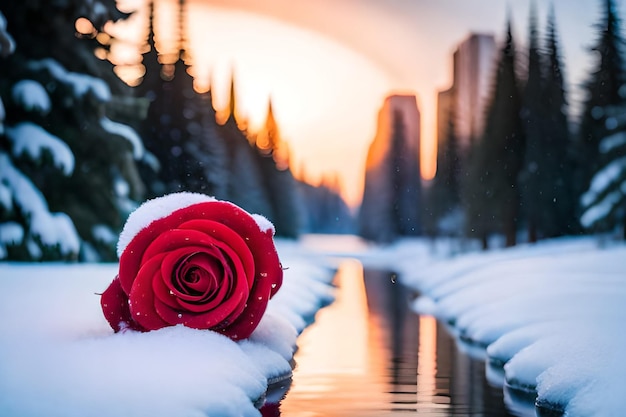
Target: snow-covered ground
{"type": "Point", "coordinates": [551, 314]}
{"type": "Point", "coordinates": [59, 357]}
{"type": "Point", "coordinates": [548, 318]}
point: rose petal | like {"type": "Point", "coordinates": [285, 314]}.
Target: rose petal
{"type": "Point", "coordinates": [228, 241]}
{"type": "Point", "coordinates": [205, 320]}
{"type": "Point", "coordinates": [174, 239]}
{"type": "Point", "coordinates": [238, 285]}
{"type": "Point", "coordinates": [243, 326]}
{"type": "Point", "coordinates": [209, 300]}
{"type": "Point", "coordinates": [261, 244]}
{"type": "Point", "coordinates": [169, 268]}
{"type": "Point", "coordinates": [212, 300]}
{"type": "Point", "coordinates": [141, 297]}
{"type": "Point", "coordinates": [229, 237]}
{"type": "Point", "coordinates": [114, 302]}
{"type": "Point", "coordinates": [198, 273]}
{"type": "Point", "coordinates": [225, 291]}
{"type": "Point", "coordinates": [229, 304]}
{"type": "Point", "coordinates": [131, 258]}
{"type": "Point", "coordinates": [164, 294]}
{"type": "Point", "coordinates": [226, 307]}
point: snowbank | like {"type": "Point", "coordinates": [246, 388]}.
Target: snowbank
{"type": "Point", "coordinates": [59, 357]}
{"type": "Point", "coordinates": [551, 314]}
{"type": "Point", "coordinates": [549, 317]}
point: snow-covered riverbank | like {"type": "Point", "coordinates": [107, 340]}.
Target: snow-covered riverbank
{"type": "Point", "coordinates": [551, 314]}
{"type": "Point", "coordinates": [548, 316]}
{"type": "Point", "coordinates": [59, 357]}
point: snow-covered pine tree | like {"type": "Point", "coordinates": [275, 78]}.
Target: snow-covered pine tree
{"type": "Point", "coordinates": [77, 165]}
{"type": "Point", "coordinates": [604, 90]}
{"type": "Point", "coordinates": [604, 203]}
{"type": "Point", "coordinates": [604, 131]}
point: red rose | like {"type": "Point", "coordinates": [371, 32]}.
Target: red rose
{"type": "Point", "coordinates": [209, 265]}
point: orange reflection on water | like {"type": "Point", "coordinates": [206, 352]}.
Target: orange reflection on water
{"type": "Point", "coordinates": [336, 355]}
{"type": "Point", "coordinates": [370, 355]}
{"type": "Point", "coordinates": [341, 347]}
{"type": "Point", "coordinates": [428, 394]}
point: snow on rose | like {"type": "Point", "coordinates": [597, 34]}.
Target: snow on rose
{"type": "Point", "coordinates": [202, 263]}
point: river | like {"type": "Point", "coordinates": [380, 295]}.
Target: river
{"type": "Point", "coordinates": [369, 354]}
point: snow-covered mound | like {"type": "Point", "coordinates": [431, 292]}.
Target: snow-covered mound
{"type": "Point", "coordinates": [59, 357]}
{"type": "Point", "coordinates": [552, 314]}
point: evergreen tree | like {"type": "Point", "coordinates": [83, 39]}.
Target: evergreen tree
{"type": "Point", "coordinates": [209, 150]}
{"type": "Point", "coordinates": [557, 217]}
{"type": "Point", "coordinates": [325, 210]}
{"type": "Point", "coordinates": [194, 153]}
{"type": "Point", "coordinates": [169, 89]}
{"type": "Point", "coordinates": [60, 103]}
{"type": "Point", "coordinates": [493, 196]}
{"type": "Point", "coordinates": [604, 132]}
{"type": "Point", "coordinates": [476, 197]}
{"type": "Point", "coordinates": [282, 188]}
{"type": "Point", "coordinates": [604, 89]}
{"type": "Point", "coordinates": [531, 177]}
{"type": "Point", "coordinates": [444, 195]}
{"type": "Point", "coordinates": [246, 183]}
{"type": "Point", "coordinates": [604, 203]}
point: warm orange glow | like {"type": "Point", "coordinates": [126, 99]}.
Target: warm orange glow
{"type": "Point", "coordinates": [84, 27]}
{"type": "Point", "coordinates": [428, 147]}
{"type": "Point", "coordinates": [410, 41]}
{"type": "Point", "coordinates": [336, 354]}
{"type": "Point", "coordinates": [427, 365]}
{"type": "Point", "coordinates": [102, 53]}
{"type": "Point", "coordinates": [131, 73]}
{"type": "Point", "coordinates": [381, 147]}
{"type": "Point", "coordinates": [429, 154]}
{"type": "Point", "coordinates": [342, 346]}
{"type": "Point", "coordinates": [325, 95]}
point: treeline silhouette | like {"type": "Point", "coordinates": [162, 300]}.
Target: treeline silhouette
{"type": "Point", "coordinates": [533, 170]}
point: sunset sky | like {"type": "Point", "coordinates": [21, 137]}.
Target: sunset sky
{"type": "Point", "coordinates": [328, 64]}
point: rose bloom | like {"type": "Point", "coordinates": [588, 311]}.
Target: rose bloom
{"type": "Point", "coordinates": [209, 265]}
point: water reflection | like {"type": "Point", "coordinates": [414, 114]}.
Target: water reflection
{"type": "Point", "coordinates": [368, 354]}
